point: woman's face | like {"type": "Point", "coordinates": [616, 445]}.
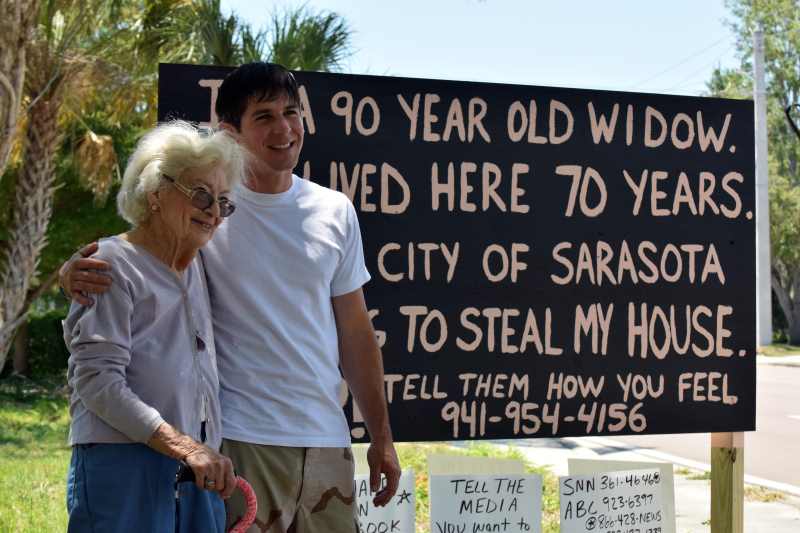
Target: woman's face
{"type": "Point", "coordinates": [192, 226]}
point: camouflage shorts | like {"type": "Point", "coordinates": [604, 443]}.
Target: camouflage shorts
{"type": "Point", "coordinates": [300, 490]}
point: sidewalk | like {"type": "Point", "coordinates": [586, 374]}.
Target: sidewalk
{"type": "Point", "coordinates": [692, 496]}
{"type": "Point", "coordinates": [778, 360]}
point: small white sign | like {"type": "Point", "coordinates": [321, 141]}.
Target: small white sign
{"type": "Point", "coordinates": [586, 467]}
{"type": "Point", "coordinates": [618, 502]}
{"type": "Point", "coordinates": [508, 503]}
{"type": "Point", "coordinates": [395, 517]}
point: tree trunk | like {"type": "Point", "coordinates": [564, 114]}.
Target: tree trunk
{"type": "Point", "coordinates": [794, 329]}
{"type": "Point", "coordinates": [17, 18]}
{"type": "Point", "coordinates": [32, 210]}
{"type": "Point", "coordinates": [780, 292]}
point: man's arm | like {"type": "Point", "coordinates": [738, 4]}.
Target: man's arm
{"type": "Point", "coordinates": [81, 275]}
{"type": "Point", "coordinates": [362, 366]}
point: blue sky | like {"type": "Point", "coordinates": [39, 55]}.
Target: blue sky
{"type": "Point", "coordinates": [645, 46]}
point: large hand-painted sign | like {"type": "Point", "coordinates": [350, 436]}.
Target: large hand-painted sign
{"type": "Point", "coordinates": [546, 261]}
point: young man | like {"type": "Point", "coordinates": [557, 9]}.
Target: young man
{"type": "Point", "coordinates": [285, 276]}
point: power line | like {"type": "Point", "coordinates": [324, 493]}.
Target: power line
{"type": "Point", "coordinates": [694, 73]}
{"type": "Point", "coordinates": [679, 63]}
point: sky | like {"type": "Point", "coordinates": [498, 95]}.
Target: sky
{"type": "Point", "coordinates": [651, 46]}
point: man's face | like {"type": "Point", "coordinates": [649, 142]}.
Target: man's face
{"type": "Point", "coordinates": [272, 130]}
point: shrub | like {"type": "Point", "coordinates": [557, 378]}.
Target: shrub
{"type": "Point", "coordinates": [47, 354]}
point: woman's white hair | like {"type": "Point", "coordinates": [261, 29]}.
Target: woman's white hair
{"type": "Point", "coordinates": [171, 149]}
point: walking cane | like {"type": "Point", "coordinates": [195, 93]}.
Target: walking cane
{"type": "Point", "coordinates": [186, 474]}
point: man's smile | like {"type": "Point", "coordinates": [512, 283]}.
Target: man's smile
{"type": "Point", "coordinates": [284, 146]}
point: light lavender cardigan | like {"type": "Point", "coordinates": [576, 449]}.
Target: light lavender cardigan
{"type": "Point", "coordinates": [136, 360]}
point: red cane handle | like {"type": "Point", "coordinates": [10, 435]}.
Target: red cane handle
{"type": "Point", "coordinates": [250, 502]}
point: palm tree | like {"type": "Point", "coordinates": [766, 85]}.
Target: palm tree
{"type": "Point", "coordinates": [17, 19]}
{"type": "Point", "coordinates": [60, 63]}
{"type": "Point", "coordinates": [96, 54]}
{"type": "Point", "coordinates": [299, 39]}
{"type": "Point", "coordinates": [304, 40]}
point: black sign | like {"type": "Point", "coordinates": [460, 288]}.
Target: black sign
{"type": "Point", "coordinates": [545, 261]}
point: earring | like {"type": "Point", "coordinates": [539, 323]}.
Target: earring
{"type": "Point", "coordinates": [154, 207]}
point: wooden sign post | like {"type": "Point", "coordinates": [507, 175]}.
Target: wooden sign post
{"type": "Point", "coordinates": [727, 482]}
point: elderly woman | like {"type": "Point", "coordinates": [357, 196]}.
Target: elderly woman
{"type": "Point", "coordinates": [142, 370]}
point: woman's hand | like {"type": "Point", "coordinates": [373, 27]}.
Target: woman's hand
{"type": "Point", "coordinates": [212, 470]}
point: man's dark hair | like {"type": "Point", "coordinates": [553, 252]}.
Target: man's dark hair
{"type": "Point", "coordinates": [253, 81]}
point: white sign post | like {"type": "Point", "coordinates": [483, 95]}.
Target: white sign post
{"type": "Point", "coordinates": [397, 516]}
{"type": "Point", "coordinates": [471, 504]}
{"type": "Point", "coordinates": [622, 502]}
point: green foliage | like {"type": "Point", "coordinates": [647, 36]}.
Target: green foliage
{"type": "Point", "coordinates": [47, 353]}
{"type": "Point", "coordinates": [142, 35]}
{"type": "Point", "coordinates": [120, 44]}
{"type": "Point", "coordinates": [730, 83]}
{"type": "Point", "coordinates": [218, 33]}
{"type": "Point", "coordinates": [254, 44]}
{"type": "Point", "coordinates": [304, 40]}
{"type": "Point", "coordinates": [298, 38]}
{"type": "Point", "coordinates": [784, 213]}
{"type": "Point", "coordinates": [780, 22]}
{"type": "Point", "coordinates": [700, 476]}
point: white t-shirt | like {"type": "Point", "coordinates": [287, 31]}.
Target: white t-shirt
{"type": "Point", "coordinates": [272, 270]}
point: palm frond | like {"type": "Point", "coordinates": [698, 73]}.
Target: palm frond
{"type": "Point", "coordinates": [304, 40]}
{"type": "Point", "coordinates": [218, 33]}
{"type": "Point", "coordinates": [254, 45]}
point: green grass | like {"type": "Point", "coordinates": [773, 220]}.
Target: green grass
{"type": "Point", "coordinates": [779, 350]}
{"type": "Point", "coordinates": [694, 475]}
{"type": "Point", "coordinates": [33, 457]}
{"type": "Point", "coordinates": [752, 493]}
{"type": "Point", "coordinates": [700, 476]}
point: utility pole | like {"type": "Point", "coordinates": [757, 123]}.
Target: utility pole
{"type": "Point", "coordinates": [763, 268]}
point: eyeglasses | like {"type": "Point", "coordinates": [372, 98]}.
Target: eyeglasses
{"type": "Point", "coordinates": [202, 199]}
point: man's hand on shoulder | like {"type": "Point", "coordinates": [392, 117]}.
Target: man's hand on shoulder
{"type": "Point", "coordinates": [81, 275]}
{"type": "Point", "coordinates": [382, 459]}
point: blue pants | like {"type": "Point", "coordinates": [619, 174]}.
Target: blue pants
{"type": "Point", "coordinates": [130, 488]}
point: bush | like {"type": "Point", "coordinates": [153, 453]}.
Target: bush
{"type": "Point", "coordinates": [47, 354]}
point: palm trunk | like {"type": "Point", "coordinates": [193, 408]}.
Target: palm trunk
{"type": "Point", "coordinates": [16, 22]}
{"type": "Point", "coordinates": [33, 206]}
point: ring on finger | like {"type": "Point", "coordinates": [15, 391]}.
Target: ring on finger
{"type": "Point", "coordinates": [209, 483]}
